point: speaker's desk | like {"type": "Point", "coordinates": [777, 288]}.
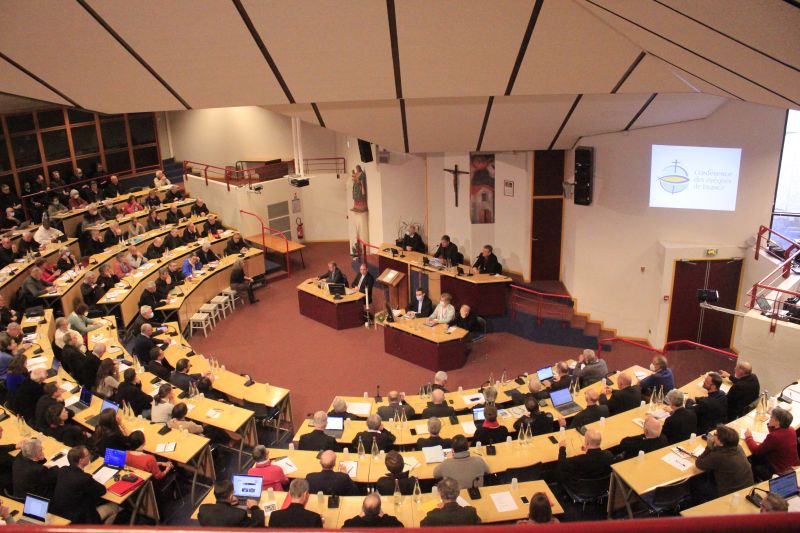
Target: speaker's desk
{"type": "Point", "coordinates": [318, 304]}
{"type": "Point", "coordinates": [486, 294]}
{"type": "Point", "coordinates": [430, 347]}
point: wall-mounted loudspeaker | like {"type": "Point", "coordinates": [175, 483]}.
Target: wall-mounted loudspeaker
{"type": "Point", "coordinates": [383, 156]}
{"type": "Point", "coordinates": [365, 149]}
{"type": "Point", "coordinates": [584, 175]}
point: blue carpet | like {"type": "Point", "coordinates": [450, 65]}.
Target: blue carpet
{"type": "Point", "coordinates": [548, 331]}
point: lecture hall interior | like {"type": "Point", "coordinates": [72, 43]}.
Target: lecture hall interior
{"type": "Point", "coordinates": [333, 264]}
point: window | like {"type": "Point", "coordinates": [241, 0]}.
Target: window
{"type": "Point", "coordinates": [786, 213]}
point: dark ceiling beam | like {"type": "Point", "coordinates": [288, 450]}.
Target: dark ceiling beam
{"type": "Point", "coordinates": [641, 110]}
{"type": "Point", "coordinates": [404, 123]}
{"type": "Point", "coordinates": [485, 122]}
{"type": "Point", "coordinates": [564, 122]}
{"type": "Point", "coordinates": [319, 115]}
{"type": "Point", "coordinates": [38, 80]}
{"type": "Point", "coordinates": [628, 72]}
{"type": "Point", "coordinates": [526, 39]}
{"type": "Point", "coordinates": [398, 82]}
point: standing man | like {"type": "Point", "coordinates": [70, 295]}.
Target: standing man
{"type": "Point", "coordinates": [447, 251]}
{"type": "Point", "coordinates": [364, 281]}
{"type": "Point", "coordinates": [486, 262]}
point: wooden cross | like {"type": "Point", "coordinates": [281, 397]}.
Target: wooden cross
{"type": "Point", "coordinates": [455, 172]}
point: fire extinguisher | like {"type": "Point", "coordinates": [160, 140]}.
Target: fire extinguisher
{"type": "Point", "coordinates": [300, 230]}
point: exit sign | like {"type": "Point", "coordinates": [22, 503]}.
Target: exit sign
{"type": "Point", "coordinates": [711, 252]}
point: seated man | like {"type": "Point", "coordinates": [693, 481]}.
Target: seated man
{"type": "Point", "coordinates": [467, 320]}
{"type": "Point", "coordinates": [468, 470]}
{"type": "Point", "coordinates": [437, 406]}
{"type": "Point", "coordinates": [235, 245]}
{"type": "Point", "coordinates": [537, 422]}
{"type": "Point", "coordinates": [726, 460]}
{"type": "Point", "coordinates": [651, 439]}
{"type": "Point", "coordinates": [372, 515]}
{"type": "Point", "coordinates": [199, 208]}
{"type": "Point", "coordinates": [174, 194]}
{"type": "Point", "coordinates": [150, 296]}
{"type": "Point", "coordinates": [181, 378]}
{"type": "Point", "coordinates": [295, 515]}
{"type": "Point", "coordinates": [660, 379]}
{"type": "Point", "coordinates": [339, 408]}
{"type": "Point", "coordinates": [447, 252]}
{"type": "Point", "coordinates": [206, 254]}
{"type": "Point", "coordinates": [317, 440]}
{"type": "Point", "coordinates": [364, 281]}
{"type": "Point", "coordinates": [396, 476]}
{"type": "Point", "coordinates": [490, 432]}
{"type": "Point", "coordinates": [412, 241]}
{"type": "Point", "coordinates": [157, 365]}
{"type": "Point", "coordinates": [191, 265]}
{"type": "Point", "coordinates": [593, 464]}
{"type": "Point", "coordinates": [156, 249]}
{"type": "Point", "coordinates": [627, 397]}
{"type": "Point", "coordinates": [174, 215]}
{"type": "Point", "coordinates": [130, 392]}
{"type": "Point", "coordinates": [173, 239]}
{"type": "Point", "coordinates": [329, 482]}
{"type": "Point", "coordinates": [712, 409]}
{"type": "Point", "coordinates": [444, 312]}
{"type": "Point", "coordinates": [395, 407]}
{"type": "Point", "coordinates": [681, 422]}
{"type": "Point", "coordinates": [592, 413]}
{"type": "Point", "coordinates": [213, 227]}
{"type": "Point", "coordinates": [743, 392]}
{"type": "Point", "coordinates": [225, 511]}
{"type": "Point", "coordinates": [486, 262]}
{"type": "Point", "coordinates": [29, 474]}
{"type": "Point", "coordinates": [590, 369]}
{"type": "Point", "coordinates": [561, 377]}
{"type": "Point", "coordinates": [272, 475]}
{"type": "Point", "coordinates": [450, 512]}
{"type": "Point", "coordinates": [375, 433]}
{"type": "Point", "coordinates": [778, 453]}
{"type": "Point", "coordinates": [421, 306]}
{"type": "Point", "coordinates": [333, 274]}
{"type": "Point", "coordinates": [434, 427]}
{"type": "Point", "coordinates": [144, 342]}
{"type": "Point", "coordinates": [440, 381]}
{"type": "Point", "coordinates": [77, 496]}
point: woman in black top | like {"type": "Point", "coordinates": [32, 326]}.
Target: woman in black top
{"type": "Point", "coordinates": [57, 427]}
{"type": "Point", "coordinates": [153, 222]}
{"type": "Point", "coordinates": [109, 433]}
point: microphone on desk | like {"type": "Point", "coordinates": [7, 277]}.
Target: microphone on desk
{"type": "Point", "coordinates": [378, 394]}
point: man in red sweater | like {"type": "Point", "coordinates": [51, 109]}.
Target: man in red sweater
{"type": "Point", "coordinates": [779, 449]}
{"type": "Point", "coordinates": [272, 475]}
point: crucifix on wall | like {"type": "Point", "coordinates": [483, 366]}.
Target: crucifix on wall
{"type": "Point", "coordinates": [455, 172]}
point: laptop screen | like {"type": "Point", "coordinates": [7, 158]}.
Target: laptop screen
{"type": "Point", "coordinates": [335, 423]}
{"type": "Point", "coordinates": [785, 485]}
{"type": "Point", "coordinates": [86, 396]}
{"type": "Point", "coordinates": [35, 507]}
{"type": "Point", "coordinates": [247, 487]}
{"type": "Point", "coordinates": [545, 373]}
{"type": "Point", "coordinates": [560, 397]}
{"type": "Point", "coordinates": [477, 414]}
{"type": "Point", "coordinates": [763, 304]}
{"type": "Point", "coordinates": [115, 457]}
{"type": "Point", "coordinates": [107, 404]}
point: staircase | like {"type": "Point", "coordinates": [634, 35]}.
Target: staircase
{"type": "Point", "coordinates": [173, 170]}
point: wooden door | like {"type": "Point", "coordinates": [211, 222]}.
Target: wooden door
{"type": "Point", "coordinates": [547, 208]}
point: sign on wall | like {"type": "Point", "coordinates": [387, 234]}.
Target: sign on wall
{"type": "Point", "coordinates": [481, 188]}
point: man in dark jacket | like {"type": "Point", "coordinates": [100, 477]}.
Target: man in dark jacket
{"type": "Point", "coordinates": [743, 392]}
{"type": "Point", "coordinates": [447, 251]}
{"type": "Point", "coordinates": [158, 365]}
{"type": "Point", "coordinates": [372, 515]}
{"type": "Point", "coordinates": [296, 515]}
{"type": "Point", "coordinates": [375, 432]}
{"type": "Point", "coordinates": [225, 513]}
{"type": "Point", "coordinates": [396, 406]}
{"type": "Point", "coordinates": [23, 401]}
{"type": "Point", "coordinates": [437, 407]}
{"type": "Point", "coordinates": [651, 439]}
{"type": "Point", "coordinates": [317, 440]}
{"type": "Point", "coordinates": [29, 474]}
{"type": "Point", "coordinates": [450, 513]}
{"type": "Point", "coordinates": [364, 281]}
{"type": "Point", "coordinates": [713, 409]}
{"type": "Point", "coordinates": [627, 397]}
{"type": "Point", "coordinates": [727, 461]}
{"type": "Point", "coordinates": [682, 422]}
{"type": "Point", "coordinates": [329, 481]}
{"type": "Point", "coordinates": [333, 274]}
{"type": "Point", "coordinates": [592, 413]}
{"type": "Point", "coordinates": [466, 319]}
{"type": "Point", "coordinates": [412, 241]}
{"type": "Point", "coordinates": [51, 395]}
{"type": "Point", "coordinates": [78, 497]}
{"type": "Point", "coordinates": [143, 343]}
{"type": "Point", "coordinates": [486, 262]}
{"type": "Point", "coordinates": [130, 392]}
{"type": "Point", "coordinates": [421, 306]}
{"type": "Point", "coordinates": [594, 464]}
{"type": "Point", "coordinates": [434, 427]}
{"type": "Point", "coordinates": [537, 422]}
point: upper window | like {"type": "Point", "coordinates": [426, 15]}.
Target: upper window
{"type": "Point", "coordinates": [786, 213]}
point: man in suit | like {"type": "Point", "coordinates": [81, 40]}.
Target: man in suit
{"type": "Point", "coordinates": [486, 262]}
{"type": "Point", "coordinates": [91, 363]}
{"type": "Point", "coordinates": [743, 392]}
{"type": "Point", "coordinates": [395, 407]}
{"type": "Point", "coordinates": [143, 343]}
{"type": "Point", "coordinates": [145, 315]}
{"type": "Point", "coordinates": [375, 432]}
{"type": "Point", "coordinates": [174, 194]}
{"type": "Point", "coordinates": [592, 413]}
{"type": "Point", "coordinates": [225, 513]}
{"type": "Point", "coordinates": [181, 378]}
{"type": "Point", "coordinates": [235, 245]}
{"type": "Point", "coordinates": [156, 249]}
{"type": "Point", "coordinates": [627, 397]}
{"type": "Point", "coordinates": [412, 241]}
{"type": "Point", "coordinates": [561, 378]}
{"type": "Point", "coordinates": [364, 281]}
{"type": "Point", "coordinates": [437, 407]}
{"type": "Point", "coordinates": [328, 481]}
{"type": "Point", "coordinates": [421, 306]}
{"type": "Point", "coordinates": [28, 473]}
{"type": "Point", "coordinates": [713, 409]}
{"type": "Point", "coordinates": [317, 440]}
{"type": "Point", "coordinates": [434, 427]}
{"type": "Point", "coordinates": [158, 365]}
{"type": "Point", "coordinates": [651, 439]}
{"type": "Point", "coordinates": [372, 515]}
{"type": "Point", "coordinates": [467, 320]}
{"type": "Point", "coordinates": [296, 515]}
{"type": "Point", "coordinates": [78, 497]}
{"type": "Point", "coordinates": [440, 381]}
{"type": "Point", "coordinates": [593, 464]}
{"type": "Point", "coordinates": [72, 357]}
{"type": "Point", "coordinates": [213, 227]}
{"type": "Point", "coordinates": [450, 512]}
{"type": "Point", "coordinates": [339, 409]}
{"type": "Point", "coordinates": [447, 251]}
{"type": "Point", "coordinates": [397, 476]}
{"type": "Point", "coordinates": [660, 379]}
{"type": "Point", "coordinates": [333, 274]}
{"type": "Point", "coordinates": [150, 296]}
{"type": "Point", "coordinates": [23, 400]}
{"type": "Point", "coordinates": [682, 422]}
{"type": "Point", "coordinates": [130, 392]}
{"type": "Point", "coordinates": [536, 421]}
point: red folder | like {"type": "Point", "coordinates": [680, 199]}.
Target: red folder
{"type": "Point", "coordinates": [121, 488]}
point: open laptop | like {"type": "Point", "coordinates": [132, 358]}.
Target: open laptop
{"type": "Point", "coordinates": [477, 414]}
{"type": "Point", "coordinates": [562, 402]}
{"type": "Point", "coordinates": [107, 404]}
{"type": "Point", "coordinates": [764, 305]}
{"type": "Point", "coordinates": [84, 401]}
{"type": "Point", "coordinates": [115, 458]}
{"type": "Point", "coordinates": [785, 485]}
{"type": "Point", "coordinates": [35, 510]}
{"type": "Point", "coordinates": [545, 373]}
{"type": "Point", "coordinates": [247, 488]}
{"type": "Point", "coordinates": [335, 427]}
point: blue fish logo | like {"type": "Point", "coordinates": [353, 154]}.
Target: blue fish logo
{"type": "Point", "coordinates": [674, 178]}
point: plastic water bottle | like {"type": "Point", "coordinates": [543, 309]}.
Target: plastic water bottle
{"type": "Point", "coordinates": [398, 496]}
{"type": "Point", "coordinates": [320, 499]}
{"type": "Point", "coordinates": [602, 422]}
{"type": "Point", "coordinates": [508, 439]}
{"type": "Point", "coordinates": [514, 483]}
{"type": "Point", "coordinates": [270, 494]}
{"type": "Point", "coordinates": [640, 457]}
{"type": "Point", "coordinates": [291, 446]}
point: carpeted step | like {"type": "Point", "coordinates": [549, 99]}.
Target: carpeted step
{"type": "Point", "coordinates": [544, 330]}
{"type": "Point", "coordinates": [272, 266]}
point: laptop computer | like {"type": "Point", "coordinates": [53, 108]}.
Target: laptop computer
{"type": "Point", "coordinates": [335, 427]}
{"type": "Point", "coordinates": [545, 373]}
{"type": "Point", "coordinates": [562, 402]}
{"type": "Point", "coordinates": [115, 458]}
{"type": "Point", "coordinates": [84, 401]}
{"type": "Point", "coordinates": [764, 305]}
{"type": "Point", "coordinates": [107, 404]}
{"type": "Point", "coordinates": [35, 510]}
{"type": "Point", "coordinates": [477, 414]}
{"type": "Point", "coordinates": [785, 485]}
{"type": "Point", "coordinates": [247, 488]}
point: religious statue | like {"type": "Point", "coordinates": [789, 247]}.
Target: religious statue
{"type": "Point", "coordinates": [359, 178]}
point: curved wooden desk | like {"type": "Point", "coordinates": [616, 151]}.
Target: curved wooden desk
{"type": "Point", "coordinates": [13, 275]}
{"type": "Point", "coordinates": [318, 304]}
{"type": "Point", "coordinates": [429, 347]}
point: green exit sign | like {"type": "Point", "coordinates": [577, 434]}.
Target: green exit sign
{"type": "Point", "coordinates": [712, 251]}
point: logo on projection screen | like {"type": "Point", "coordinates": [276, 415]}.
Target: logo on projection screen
{"type": "Point", "coordinates": [674, 178]}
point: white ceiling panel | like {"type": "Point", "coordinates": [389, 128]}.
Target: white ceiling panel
{"type": "Point", "coordinates": [600, 113]}
{"type": "Point", "coordinates": [459, 47]}
{"type": "Point", "coordinates": [570, 53]}
{"type": "Point", "coordinates": [654, 76]}
{"type": "Point", "coordinates": [672, 108]}
{"type": "Point", "coordinates": [525, 122]}
{"type": "Point", "coordinates": [444, 124]}
{"type": "Point", "coordinates": [219, 68]}
{"type": "Point", "coordinates": [301, 111]}
{"type": "Point", "coordinates": [17, 104]}
{"type": "Point", "coordinates": [328, 51]}
{"type": "Point", "coordinates": [63, 44]}
{"type": "Point", "coordinates": [375, 121]}
{"type": "Point", "coordinates": [13, 81]}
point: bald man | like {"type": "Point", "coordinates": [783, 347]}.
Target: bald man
{"type": "Point", "coordinates": [592, 413]}
{"type": "Point", "coordinates": [437, 406]}
{"type": "Point", "coordinates": [628, 396]}
{"type": "Point", "coordinates": [593, 464]}
{"type": "Point", "coordinates": [330, 481]}
{"type": "Point", "coordinates": [650, 439]}
{"type": "Point", "coordinates": [372, 515]}
{"type": "Point", "coordinates": [745, 389]}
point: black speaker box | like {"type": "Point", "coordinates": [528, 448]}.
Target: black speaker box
{"type": "Point", "coordinates": [365, 149]}
{"type": "Point", "coordinates": [584, 175]}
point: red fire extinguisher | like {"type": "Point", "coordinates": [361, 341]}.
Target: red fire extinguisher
{"type": "Point", "coordinates": [300, 231]}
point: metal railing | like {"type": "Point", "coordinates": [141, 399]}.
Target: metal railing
{"type": "Point", "coordinates": [544, 308]}
{"type": "Point", "coordinates": [241, 174]}
{"type": "Point", "coordinates": [272, 231]}
{"type": "Point", "coordinates": [768, 287]}
{"type": "Point", "coordinates": [665, 349]}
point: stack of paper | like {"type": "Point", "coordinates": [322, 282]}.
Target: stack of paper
{"type": "Point", "coordinates": [286, 465]}
{"type": "Point", "coordinates": [104, 473]}
{"type": "Point", "coordinates": [640, 374]}
{"type": "Point", "coordinates": [421, 429]}
{"type": "Point", "coordinates": [213, 413]}
{"type": "Point", "coordinates": [433, 454]}
{"type": "Point", "coordinates": [504, 502]}
{"type": "Point", "coordinates": [166, 447]}
{"type": "Point", "coordinates": [351, 468]}
{"type": "Point", "coordinates": [36, 362]}
{"type": "Point", "coordinates": [359, 408]}
{"type": "Point", "coordinates": [677, 461]}
{"type": "Point", "coordinates": [471, 399]}
{"type": "Point", "coordinates": [469, 427]}
{"type": "Point", "coordinates": [410, 463]}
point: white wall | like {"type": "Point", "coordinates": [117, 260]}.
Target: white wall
{"type": "Point", "coordinates": [607, 244]}
{"type": "Point", "coordinates": [403, 194]}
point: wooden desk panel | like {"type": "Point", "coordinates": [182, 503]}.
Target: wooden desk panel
{"type": "Point", "coordinates": [419, 350]}
{"type": "Point", "coordinates": [485, 299]}
{"type": "Point", "coordinates": [726, 505]}
{"type": "Point", "coordinates": [319, 305]}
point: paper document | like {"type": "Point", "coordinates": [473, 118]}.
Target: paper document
{"type": "Point", "coordinates": [36, 361]}
{"type": "Point", "coordinates": [421, 429]}
{"type": "Point", "coordinates": [410, 463]}
{"type": "Point", "coordinates": [725, 387]}
{"type": "Point", "coordinates": [66, 385]}
{"type": "Point", "coordinates": [640, 374]}
{"type": "Point", "coordinates": [213, 413]}
{"type": "Point", "coordinates": [659, 414]}
{"type": "Point", "coordinates": [61, 461]}
{"type": "Point", "coordinates": [504, 502]}
{"type": "Point", "coordinates": [469, 427]}
{"type": "Point", "coordinates": [504, 414]}
{"type": "Point", "coordinates": [286, 465]}
{"type": "Point", "coordinates": [113, 349]}
{"type": "Point", "coordinates": [639, 422]}
{"type": "Point", "coordinates": [72, 400]}
{"type": "Point", "coordinates": [165, 447]}
{"type": "Point", "coordinates": [359, 408]}
{"type": "Point", "coordinates": [470, 399]}
{"type": "Point", "coordinates": [104, 474]}
{"type": "Point", "coordinates": [30, 337]}
{"type": "Point", "coordinates": [681, 463]}
{"type": "Point", "coordinates": [517, 411]}
{"type": "Point", "coordinates": [462, 502]}
{"type": "Point", "coordinates": [390, 276]}
{"type": "Point", "coordinates": [758, 436]}
{"type": "Point", "coordinates": [433, 454]}
{"type": "Point", "coordinates": [351, 468]}
{"type": "Point", "coordinates": [190, 406]}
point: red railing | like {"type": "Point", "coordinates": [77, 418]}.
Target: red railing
{"type": "Point", "coordinates": [273, 231]}
{"type": "Point", "coordinates": [770, 282]}
{"type": "Point", "coordinates": [665, 349]}
{"type": "Point", "coordinates": [362, 247]}
{"type": "Point", "coordinates": [600, 343]}
{"type": "Point", "coordinates": [544, 308]}
{"type": "Point", "coordinates": [332, 165]}
{"type": "Point", "coordinates": [762, 243]}
{"type": "Point", "coordinates": [247, 176]}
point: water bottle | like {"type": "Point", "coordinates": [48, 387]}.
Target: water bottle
{"type": "Point", "coordinates": [514, 483]}
{"type": "Point", "coordinates": [508, 439]}
{"type": "Point", "coordinates": [270, 494]}
{"type": "Point", "coordinates": [375, 450]}
{"type": "Point", "coordinates": [361, 452]}
{"type": "Point", "coordinates": [398, 496]}
{"type": "Point", "coordinates": [417, 492]}
{"type": "Point", "coordinates": [291, 446]}
{"type": "Point", "coordinates": [346, 451]}
{"type": "Point", "coordinates": [320, 500]}
{"type": "Point", "coordinates": [602, 422]}
{"type": "Point", "coordinates": [435, 491]}
{"type": "Point", "coordinates": [503, 377]}
{"type": "Point", "coordinates": [478, 447]}
{"type": "Point", "coordinates": [640, 456]}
